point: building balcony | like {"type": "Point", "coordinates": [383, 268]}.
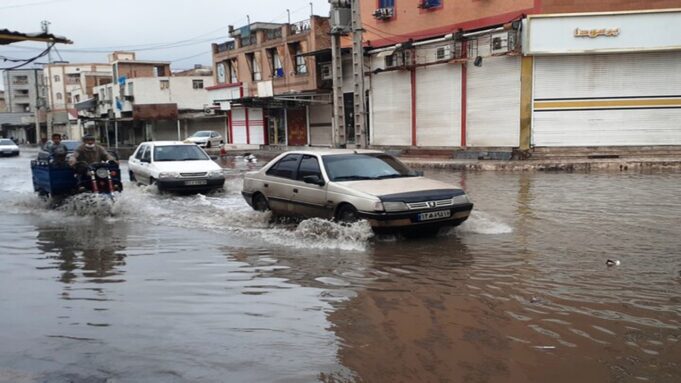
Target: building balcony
{"type": "Point", "coordinates": [248, 41]}
{"type": "Point", "coordinates": [300, 27]}
{"type": "Point", "coordinates": [224, 47]}
{"type": "Point", "coordinates": [273, 34]}
{"type": "Point", "coordinates": [20, 82]}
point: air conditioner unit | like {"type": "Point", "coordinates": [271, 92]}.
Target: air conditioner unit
{"type": "Point", "coordinates": [443, 53]}
{"type": "Point", "coordinates": [504, 42]}
{"type": "Point", "coordinates": [384, 13]}
{"type": "Point", "coordinates": [326, 72]}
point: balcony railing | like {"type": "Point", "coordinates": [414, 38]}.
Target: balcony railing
{"type": "Point", "coordinates": [19, 81]}
{"type": "Point", "coordinates": [248, 41]}
{"type": "Point", "coordinates": [226, 46]}
{"type": "Point", "coordinates": [273, 34]}
{"type": "Point", "coordinates": [300, 27]}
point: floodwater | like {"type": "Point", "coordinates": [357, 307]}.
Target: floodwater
{"type": "Point", "coordinates": [158, 288]}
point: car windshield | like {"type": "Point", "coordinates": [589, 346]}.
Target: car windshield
{"type": "Point", "coordinates": [6, 142]}
{"type": "Point", "coordinates": [71, 145]}
{"type": "Point", "coordinates": [370, 166]}
{"type": "Point", "coordinates": [201, 134]}
{"type": "Point", "coordinates": [179, 153]}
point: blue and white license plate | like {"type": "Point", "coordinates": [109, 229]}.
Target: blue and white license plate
{"type": "Point", "coordinates": [195, 182]}
{"type": "Point", "coordinates": [431, 215]}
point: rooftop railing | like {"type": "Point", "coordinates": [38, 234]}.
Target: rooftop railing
{"type": "Point", "coordinates": [300, 27]}
{"type": "Point", "coordinates": [226, 46]}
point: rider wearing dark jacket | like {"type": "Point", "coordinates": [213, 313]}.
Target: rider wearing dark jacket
{"type": "Point", "coordinates": [90, 153]}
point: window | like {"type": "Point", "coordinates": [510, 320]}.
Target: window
{"type": "Point", "coordinates": [69, 100]}
{"type": "Point", "coordinates": [386, 3]}
{"type": "Point", "coordinates": [275, 63]}
{"type": "Point", "coordinates": [169, 153]}
{"type": "Point", "coordinates": [57, 78]}
{"type": "Point", "coordinates": [352, 167]}
{"type": "Point", "coordinates": [165, 84]}
{"type": "Point", "coordinates": [430, 4]}
{"type": "Point", "coordinates": [301, 65]}
{"type": "Point", "coordinates": [256, 75]}
{"type": "Point", "coordinates": [197, 84]}
{"type": "Point", "coordinates": [146, 156]}
{"type": "Point", "coordinates": [286, 167]}
{"type": "Point", "coordinates": [140, 152]}
{"type": "Point", "coordinates": [59, 96]}
{"type": "Point", "coordinates": [233, 78]}
{"type": "Point", "coordinates": [130, 89]}
{"type": "Point", "coordinates": [309, 166]}
{"type": "Point", "coordinates": [159, 71]}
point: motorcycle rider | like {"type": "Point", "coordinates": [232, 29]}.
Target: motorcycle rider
{"type": "Point", "coordinates": [90, 153]}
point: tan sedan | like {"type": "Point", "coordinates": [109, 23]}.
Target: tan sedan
{"type": "Point", "coordinates": [348, 185]}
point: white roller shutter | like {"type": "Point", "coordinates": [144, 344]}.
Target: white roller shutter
{"type": "Point", "coordinates": [391, 108]}
{"type": "Point", "coordinates": [438, 105]}
{"type": "Point", "coordinates": [493, 103]}
{"type": "Point", "coordinates": [602, 100]}
{"type": "Point", "coordinates": [320, 125]}
{"type": "Point", "coordinates": [256, 126]}
{"type": "Point", "coordinates": [239, 125]}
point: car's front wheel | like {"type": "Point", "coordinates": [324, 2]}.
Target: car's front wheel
{"type": "Point", "coordinates": [132, 176]}
{"type": "Point", "coordinates": [347, 213]}
{"type": "Point", "coordinates": [260, 203]}
{"type": "Point", "coordinates": [208, 145]}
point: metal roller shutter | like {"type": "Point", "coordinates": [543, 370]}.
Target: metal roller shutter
{"type": "Point", "coordinates": [438, 105]}
{"type": "Point", "coordinates": [256, 126]}
{"type": "Point", "coordinates": [239, 125]}
{"type": "Point", "coordinates": [391, 108]}
{"type": "Point", "coordinates": [493, 103]}
{"type": "Point", "coordinates": [602, 100]}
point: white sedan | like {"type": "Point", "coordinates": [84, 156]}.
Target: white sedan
{"type": "Point", "coordinates": [206, 138]}
{"type": "Point", "coordinates": [175, 166]}
{"type": "Point", "coordinates": [8, 147]}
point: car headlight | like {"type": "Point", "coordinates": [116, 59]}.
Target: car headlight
{"type": "Point", "coordinates": [395, 206]}
{"type": "Point", "coordinates": [102, 173]}
{"type": "Point", "coordinates": [215, 173]}
{"type": "Point", "coordinates": [459, 199]}
{"type": "Point", "coordinates": [378, 206]}
{"type": "Point", "coordinates": [168, 175]}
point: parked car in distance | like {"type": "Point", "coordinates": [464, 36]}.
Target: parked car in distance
{"type": "Point", "coordinates": [175, 166]}
{"type": "Point", "coordinates": [347, 185]}
{"type": "Point", "coordinates": [8, 147]}
{"type": "Point", "coordinates": [206, 138]}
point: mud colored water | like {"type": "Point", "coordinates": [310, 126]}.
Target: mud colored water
{"type": "Point", "coordinates": [158, 288]}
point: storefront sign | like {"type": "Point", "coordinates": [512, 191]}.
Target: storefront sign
{"type": "Point", "coordinates": [593, 33]}
{"type": "Point", "coordinates": [589, 33]}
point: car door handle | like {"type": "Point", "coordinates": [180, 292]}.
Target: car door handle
{"type": "Point", "coordinates": [295, 190]}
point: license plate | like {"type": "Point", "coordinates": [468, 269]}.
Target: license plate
{"type": "Point", "coordinates": [434, 215]}
{"type": "Point", "coordinates": [195, 182]}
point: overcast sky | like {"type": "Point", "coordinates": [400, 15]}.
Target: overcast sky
{"type": "Point", "coordinates": [180, 31]}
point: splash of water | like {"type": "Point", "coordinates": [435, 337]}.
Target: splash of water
{"type": "Point", "coordinates": [480, 222]}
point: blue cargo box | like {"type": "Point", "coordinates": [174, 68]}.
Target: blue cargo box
{"type": "Point", "coordinates": [53, 179]}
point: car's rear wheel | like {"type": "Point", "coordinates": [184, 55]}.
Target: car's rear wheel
{"type": "Point", "coordinates": [347, 213]}
{"type": "Point", "coordinates": [260, 203]}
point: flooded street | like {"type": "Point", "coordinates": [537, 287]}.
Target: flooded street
{"type": "Point", "coordinates": [162, 288]}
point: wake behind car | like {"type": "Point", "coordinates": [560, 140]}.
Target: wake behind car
{"type": "Point", "coordinates": [175, 166]}
{"type": "Point", "coordinates": [8, 147]}
{"type": "Point", "coordinates": [347, 185]}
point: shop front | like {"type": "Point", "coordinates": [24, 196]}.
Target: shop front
{"type": "Point", "coordinates": [606, 79]}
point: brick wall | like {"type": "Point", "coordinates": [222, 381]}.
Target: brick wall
{"type": "Point", "coordinates": [576, 6]}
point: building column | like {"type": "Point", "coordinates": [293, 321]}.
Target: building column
{"type": "Point", "coordinates": [526, 78]}
{"type": "Point", "coordinates": [413, 107]}
{"type": "Point", "coordinates": [464, 102]}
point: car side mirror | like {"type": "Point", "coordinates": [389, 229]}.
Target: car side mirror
{"type": "Point", "coordinates": [313, 179]}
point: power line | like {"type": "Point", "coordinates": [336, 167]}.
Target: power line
{"type": "Point", "coordinates": [28, 61]}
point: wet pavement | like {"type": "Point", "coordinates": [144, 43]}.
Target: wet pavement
{"type": "Point", "coordinates": [160, 288]}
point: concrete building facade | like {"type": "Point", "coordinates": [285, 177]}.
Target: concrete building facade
{"type": "Point", "coordinates": [269, 83]}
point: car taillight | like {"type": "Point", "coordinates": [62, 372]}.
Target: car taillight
{"type": "Point", "coordinates": [113, 173]}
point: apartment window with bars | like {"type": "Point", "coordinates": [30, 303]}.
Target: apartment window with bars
{"type": "Point", "coordinates": [164, 84]}
{"type": "Point", "coordinates": [299, 59]}
{"type": "Point", "coordinates": [386, 3]}
{"type": "Point", "coordinates": [256, 74]}
{"type": "Point", "coordinates": [197, 84]}
{"type": "Point", "coordinates": [275, 62]}
{"type": "Point", "coordinates": [233, 77]}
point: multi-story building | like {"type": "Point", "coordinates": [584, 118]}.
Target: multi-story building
{"type": "Point", "coordinates": [67, 84]}
{"type": "Point", "coordinates": [269, 83]}
{"type": "Point", "coordinates": [483, 74]}
{"type": "Point", "coordinates": [3, 104]}
{"type": "Point", "coordinates": [23, 89]}
{"type": "Point", "coordinates": [24, 95]}
{"type": "Point", "coordinates": [147, 102]}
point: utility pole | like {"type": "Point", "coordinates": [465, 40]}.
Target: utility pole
{"type": "Point", "coordinates": [358, 75]}
{"type": "Point", "coordinates": [45, 27]}
{"type": "Point", "coordinates": [340, 26]}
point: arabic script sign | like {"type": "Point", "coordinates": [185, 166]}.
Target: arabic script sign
{"type": "Point", "coordinates": [593, 33]}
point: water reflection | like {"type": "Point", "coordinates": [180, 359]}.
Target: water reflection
{"type": "Point", "coordinates": [93, 250]}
